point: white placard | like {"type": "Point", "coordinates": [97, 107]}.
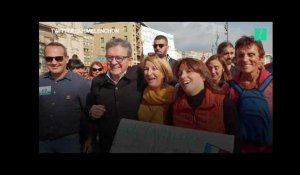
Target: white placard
{"type": "Point", "coordinates": [148, 36]}
{"type": "Point", "coordinates": [142, 137]}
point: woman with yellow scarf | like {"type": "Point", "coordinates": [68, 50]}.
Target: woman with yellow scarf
{"type": "Point", "coordinates": [158, 94]}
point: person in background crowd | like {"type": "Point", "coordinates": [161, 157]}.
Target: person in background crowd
{"type": "Point", "coordinates": [161, 48]}
{"type": "Point", "coordinates": [75, 65]}
{"type": "Point", "coordinates": [95, 69]}
{"type": "Point", "coordinates": [226, 51]}
{"type": "Point", "coordinates": [219, 71]}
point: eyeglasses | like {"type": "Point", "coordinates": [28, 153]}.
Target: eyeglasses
{"type": "Point", "coordinates": [95, 69]}
{"type": "Point", "coordinates": [57, 58]}
{"type": "Point", "coordinates": [117, 58]}
{"type": "Point", "coordinates": [160, 45]}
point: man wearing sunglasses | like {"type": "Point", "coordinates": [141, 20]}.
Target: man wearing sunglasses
{"type": "Point", "coordinates": [116, 94]}
{"type": "Point", "coordinates": [161, 48]}
{"type": "Point", "coordinates": [62, 99]}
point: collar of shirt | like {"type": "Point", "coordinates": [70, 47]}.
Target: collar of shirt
{"type": "Point", "coordinates": [168, 57]}
{"type": "Point", "coordinates": [68, 76]}
{"type": "Point", "coordinates": [116, 82]}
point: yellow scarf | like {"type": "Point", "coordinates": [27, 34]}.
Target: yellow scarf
{"type": "Point", "coordinates": [154, 105]}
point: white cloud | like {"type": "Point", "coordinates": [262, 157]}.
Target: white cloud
{"type": "Point", "coordinates": [200, 36]}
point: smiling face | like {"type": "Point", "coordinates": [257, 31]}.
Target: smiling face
{"type": "Point", "coordinates": [56, 67]}
{"type": "Point", "coordinates": [190, 81]}
{"type": "Point", "coordinates": [117, 68]}
{"type": "Point", "coordinates": [248, 59]}
{"type": "Point", "coordinates": [153, 75]}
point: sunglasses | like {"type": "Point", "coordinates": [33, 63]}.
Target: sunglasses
{"type": "Point", "coordinates": [57, 58]}
{"type": "Point", "coordinates": [94, 69]}
{"type": "Point", "coordinates": [160, 45]}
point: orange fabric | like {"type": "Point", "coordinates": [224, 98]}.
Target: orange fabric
{"type": "Point", "coordinates": [209, 116]}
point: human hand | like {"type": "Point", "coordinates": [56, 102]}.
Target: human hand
{"type": "Point", "coordinates": [97, 111]}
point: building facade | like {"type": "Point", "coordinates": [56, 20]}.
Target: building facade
{"type": "Point", "coordinates": [129, 31]}
{"type": "Point", "coordinates": [88, 48]}
{"type": "Point", "coordinates": [70, 34]}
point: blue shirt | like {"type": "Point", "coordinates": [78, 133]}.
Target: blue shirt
{"type": "Point", "coordinates": [60, 104]}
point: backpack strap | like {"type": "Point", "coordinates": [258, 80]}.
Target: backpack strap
{"type": "Point", "coordinates": [235, 86]}
{"type": "Point", "coordinates": [265, 83]}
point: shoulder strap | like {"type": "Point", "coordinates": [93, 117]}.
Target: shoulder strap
{"type": "Point", "coordinates": [235, 86]}
{"type": "Point", "coordinates": [265, 83]}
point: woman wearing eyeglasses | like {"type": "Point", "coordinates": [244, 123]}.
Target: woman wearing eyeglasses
{"type": "Point", "coordinates": [158, 95]}
{"type": "Point", "coordinates": [95, 69]}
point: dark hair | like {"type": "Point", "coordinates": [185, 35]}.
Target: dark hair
{"type": "Point", "coordinates": [98, 63]}
{"type": "Point", "coordinates": [74, 63]}
{"type": "Point", "coordinates": [223, 45]}
{"type": "Point", "coordinates": [245, 41]}
{"type": "Point", "coordinates": [58, 45]}
{"type": "Point", "coordinates": [199, 67]}
{"type": "Point", "coordinates": [119, 42]}
{"type": "Point", "coordinates": [159, 37]}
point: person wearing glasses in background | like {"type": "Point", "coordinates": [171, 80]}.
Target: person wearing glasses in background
{"type": "Point", "coordinates": [116, 94]}
{"type": "Point", "coordinates": [95, 69]}
{"type": "Point", "coordinates": [62, 99]}
{"type": "Point", "coordinates": [161, 48]}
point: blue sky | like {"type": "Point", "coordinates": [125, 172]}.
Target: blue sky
{"type": "Point", "coordinates": [199, 36]}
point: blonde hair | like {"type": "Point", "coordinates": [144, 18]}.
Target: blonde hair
{"type": "Point", "coordinates": [160, 64]}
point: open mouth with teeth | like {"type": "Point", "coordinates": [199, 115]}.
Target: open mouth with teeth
{"type": "Point", "coordinates": [185, 83]}
{"type": "Point", "coordinates": [150, 79]}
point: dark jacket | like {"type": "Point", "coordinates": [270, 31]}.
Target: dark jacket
{"type": "Point", "coordinates": [121, 101]}
{"type": "Point", "coordinates": [173, 64]}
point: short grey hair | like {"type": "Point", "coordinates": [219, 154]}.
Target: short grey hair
{"type": "Point", "coordinates": [119, 42]}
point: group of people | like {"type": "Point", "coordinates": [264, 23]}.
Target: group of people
{"type": "Point", "coordinates": [184, 93]}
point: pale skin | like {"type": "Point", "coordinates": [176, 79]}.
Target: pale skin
{"type": "Point", "coordinates": [115, 69]}
{"type": "Point", "coordinates": [57, 68]}
{"type": "Point", "coordinates": [153, 76]}
{"type": "Point", "coordinates": [191, 82]}
{"type": "Point", "coordinates": [216, 69]}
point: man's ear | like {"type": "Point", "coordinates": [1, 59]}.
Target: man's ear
{"type": "Point", "coordinates": [67, 57]}
{"type": "Point", "coordinates": [130, 61]}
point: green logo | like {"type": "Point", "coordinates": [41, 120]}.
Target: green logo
{"type": "Point", "coordinates": [260, 34]}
